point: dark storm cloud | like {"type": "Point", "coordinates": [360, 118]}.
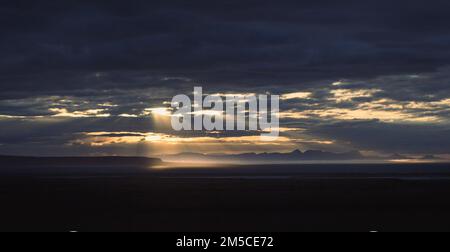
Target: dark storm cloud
{"type": "Point", "coordinates": [52, 136]}
{"type": "Point", "coordinates": [125, 57]}
{"type": "Point", "coordinates": [375, 135]}
{"type": "Point", "coordinates": [56, 45]}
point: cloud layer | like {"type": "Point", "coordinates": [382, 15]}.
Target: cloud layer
{"type": "Point", "coordinates": [367, 75]}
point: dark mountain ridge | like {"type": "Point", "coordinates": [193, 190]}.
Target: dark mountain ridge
{"type": "Point", "coordinates": [297, 155]}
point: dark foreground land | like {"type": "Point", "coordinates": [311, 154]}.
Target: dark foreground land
{"type": "Point", "coordinates": [236, 199]}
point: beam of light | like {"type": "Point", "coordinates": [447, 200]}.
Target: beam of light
{"type": "Point", "coordinates": [162, 111]}
{"type": "Point", "coordinates": [12, 117]}
{"type": "Point", "coordinates": [338, 83]}
{"type": "Point", "coordinates": [346, 95]}
{"type": "Point", "coordinates": [238, 95]}
{"type": "Point", "coordinates": [161, 117]}
{"type": "Point", "coordinates": [391, 116]}
{"type": "Point", "coordinates": [107, 105]}
{"type": "Point", "coordinates": [62, 112]}
{"type": "Point", "coordinates": [298, 95]}
{"type": "Point", "coordinates": [128, 116]}
{"type": "Point", "coordinates": [413, 161]}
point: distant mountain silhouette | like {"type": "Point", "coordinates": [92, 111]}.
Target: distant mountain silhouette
{"type": "Point", "coordinates": [430, 157]}
{"type": "Point", "coordinates": [297, 155]}
{"type": "Point", "coordinates": [397, 156]}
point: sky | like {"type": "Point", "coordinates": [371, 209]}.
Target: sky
{"type": "Point", "coordinates": [97, 77]}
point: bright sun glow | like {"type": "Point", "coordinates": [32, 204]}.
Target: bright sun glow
{"type": "Point", "coordinates": [159, 111]}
